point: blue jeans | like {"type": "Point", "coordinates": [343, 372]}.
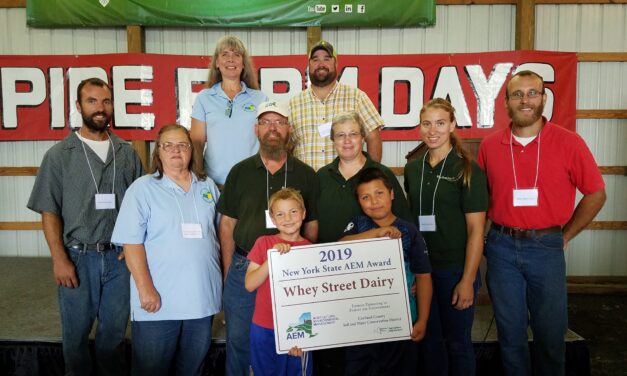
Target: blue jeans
{"type": "Point", "coordinates": [527, 284]}
{"type": "Point", "coordinates": [161, 345]}
{"type": "Point", "coordinates": [102, 294]}
{"type": "Point", "coordinates": [447, 347]}
{"type": "Point", "coordinates": [239, 306]}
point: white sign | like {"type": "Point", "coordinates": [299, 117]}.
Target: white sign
{"type": "Point", "coordinates": [339, 294]}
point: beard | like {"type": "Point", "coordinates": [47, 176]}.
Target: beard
{"type": "Point", "coordinates": [521, 121]}
{"type": "Point", "coordinates": [96, 126]}
{"type": "Point", "coordinates": [322, 77]}
{"type": "Point", "coordinates": [273, 149]}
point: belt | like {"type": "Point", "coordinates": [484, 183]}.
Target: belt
{"type": "Point", "coordinates": [241, 252]}
{"type": "Point", "coordinates": [93, 247]}
{"type": "Point", "coordinates": [521, 233]}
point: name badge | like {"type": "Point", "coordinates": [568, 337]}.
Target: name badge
{"type": "Point", "coordinates": [526, 197]}
{"type": "Point", "coordinates": [191, 230]}
{"type": "Point", "coordinates": [427, 223]}
{"type": "Point", "coordinates": [105, 201]}
{"type": "Point", "coordinates": [324, 129]}
{"type": "Point", "coordinates": [269, 223]}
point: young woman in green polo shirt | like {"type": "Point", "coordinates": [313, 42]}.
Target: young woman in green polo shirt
{"type": "Point", "coordinates": [449, 199]}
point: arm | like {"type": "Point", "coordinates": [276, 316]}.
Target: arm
{"type": "Point", "coordinates": [198, 133]}
{"type": "Point", "coordinates": [373, 144]}
{"type": "Point", "coordinates": [463, 293]}
{"type": "Point", "coordinates": [310, 231]}
{"type": "Point", "coordinates": [137, 264]}
{"type": "Point", "coordinates": [425, 291]}
{"type": "Point", "coordinates": [255, 275]}
{"type": "Point", "coordinates": [62, 267]}
{"type": "Point", "coordinates": [585, 211]}
{"type": "Point", "coordinates": [227, 243]}
{"type": "Point", "coordinates": [389, 231]}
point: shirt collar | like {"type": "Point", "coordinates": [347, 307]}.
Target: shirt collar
{"type": "Point", "coordinates": [505, 137]}
{"type": "Point", "coordinates": [314, 97]}
{"type": "Point", "coordinates": [169, 183]}
{"type": "Point", "coordinates": [450, 160]}
{"type": "Point", "coordinates": [216, 89]}
{"type": "Point", "coordinates": [72, 141]}
{"type": "Point", "coordinates": [288, 162]}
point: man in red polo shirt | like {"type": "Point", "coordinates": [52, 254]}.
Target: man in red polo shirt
{"type": "Point", "coordinates": [534, 168]}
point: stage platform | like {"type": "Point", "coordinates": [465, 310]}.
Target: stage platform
{"type": "Point", "coordinates": [30, 333]}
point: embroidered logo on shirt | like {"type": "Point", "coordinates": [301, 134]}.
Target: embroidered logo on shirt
{"type": "Point", "coordinates": [452, 178]}
{"type": "Point", "coordinates": [349, 227]}
{"type": "Point", "coordinates": [249, 107]}
{"type": "Point", "coordinates": [207, 196]}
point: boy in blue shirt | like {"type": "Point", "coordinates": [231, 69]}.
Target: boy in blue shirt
{"type": "Point", "coordinates": [375, 194]}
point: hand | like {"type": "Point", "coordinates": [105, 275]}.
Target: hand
{"type": "Point", "coordinates": [295, 351]}
{"type": "Point", "coordinates": [418, 331]}
{"type": "Point", "coordinates": [282, 247]}
{"type": "Point", "coordinates": [389, 231]}
{"type": "Point", "coordinates": [121, 256]}
{"type": "Point", "coordinates": [463, 295]}
{"type": "Point", "coordinates": [149, 299]}
{"type": "Point", "coordinates": [565, 244]}
{"type": "Point", "coordinates": [65, 273]}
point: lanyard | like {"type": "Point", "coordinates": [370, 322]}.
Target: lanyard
{"type": "Point", "coordinates": [424, 158]}
{"type": "Point", "coordinates": [268, 181]}
{"type": "Point", "coordinates": [191, 183]}
{"type": "Point", "coordinates": [89, 164]}
{"type": "Point", "coordinates": [511, 150]}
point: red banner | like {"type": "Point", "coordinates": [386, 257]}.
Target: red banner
{"type": "Point", "coordinates": [38, 92]}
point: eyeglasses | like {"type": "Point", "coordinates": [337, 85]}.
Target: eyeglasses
{"type": "Point", "coordinates": [344, 136]}
{"type": "Point", "coordinates": [276, 123]}
{"type": "Point", "coordinates": [171, 146]}
{"type": "Point", "coordinates": [229, 109]}
{"type": "Point", "coordinates": [519, 95]}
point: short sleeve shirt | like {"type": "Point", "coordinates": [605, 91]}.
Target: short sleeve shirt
{"type": "Point", "coordinates": [566, 165]}
{"type": "Point", "coordinates": [337, 203]}
{"type": "Point", "coordinates": [185, 271]}
{"type": "Point", "coordinates": [263, 301]}
{"type": "Point", "coordinates": [447, 245]}
{"type": "Point", "coordinates": [308, 112]}
{"type": "Point", "coordinates": [65, 186]}
{"type": "Point", "coordinates": [248, 188]}
{"type": "Point", "coordinates": [415, 252]}
{"type": "Point", "coordinates": [230, 127]}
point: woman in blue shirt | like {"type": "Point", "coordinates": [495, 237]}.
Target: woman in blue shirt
{"type": "Point", "coordinates": [167, 223]}
{"type": "Point", "coordinates": [224, 114]}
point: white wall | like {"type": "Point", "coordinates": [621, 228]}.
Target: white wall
{"type": "Point", "coordinates": [460, 28]}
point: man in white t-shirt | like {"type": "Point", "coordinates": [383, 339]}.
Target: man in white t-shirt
{"type": "Point", "coordinates": [78, 191]}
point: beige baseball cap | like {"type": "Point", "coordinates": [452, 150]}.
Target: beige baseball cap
{"type": "Point", "coordinates": [272, 106]}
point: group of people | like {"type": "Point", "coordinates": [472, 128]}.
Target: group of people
{"type": "Point", "coordinates": [253, 174]}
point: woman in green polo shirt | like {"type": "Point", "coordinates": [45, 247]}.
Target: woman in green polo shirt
{"type": "Point", "coordinates": [337, 203]}
{"type": "Point", "coordinates": [448, 198]}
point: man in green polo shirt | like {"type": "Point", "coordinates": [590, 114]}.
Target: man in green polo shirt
{"type": "Point", "coordinates": [244, 209]}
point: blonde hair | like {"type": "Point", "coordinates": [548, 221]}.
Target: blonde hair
{"type": "Point", "coordinates": [344, 117]}
{"type": "Point", "coordinates": [249, 75]}
{"type": "Point", "coordinates": [443, 104]}
{"type": "Point", "coordinates": [286, 194]}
